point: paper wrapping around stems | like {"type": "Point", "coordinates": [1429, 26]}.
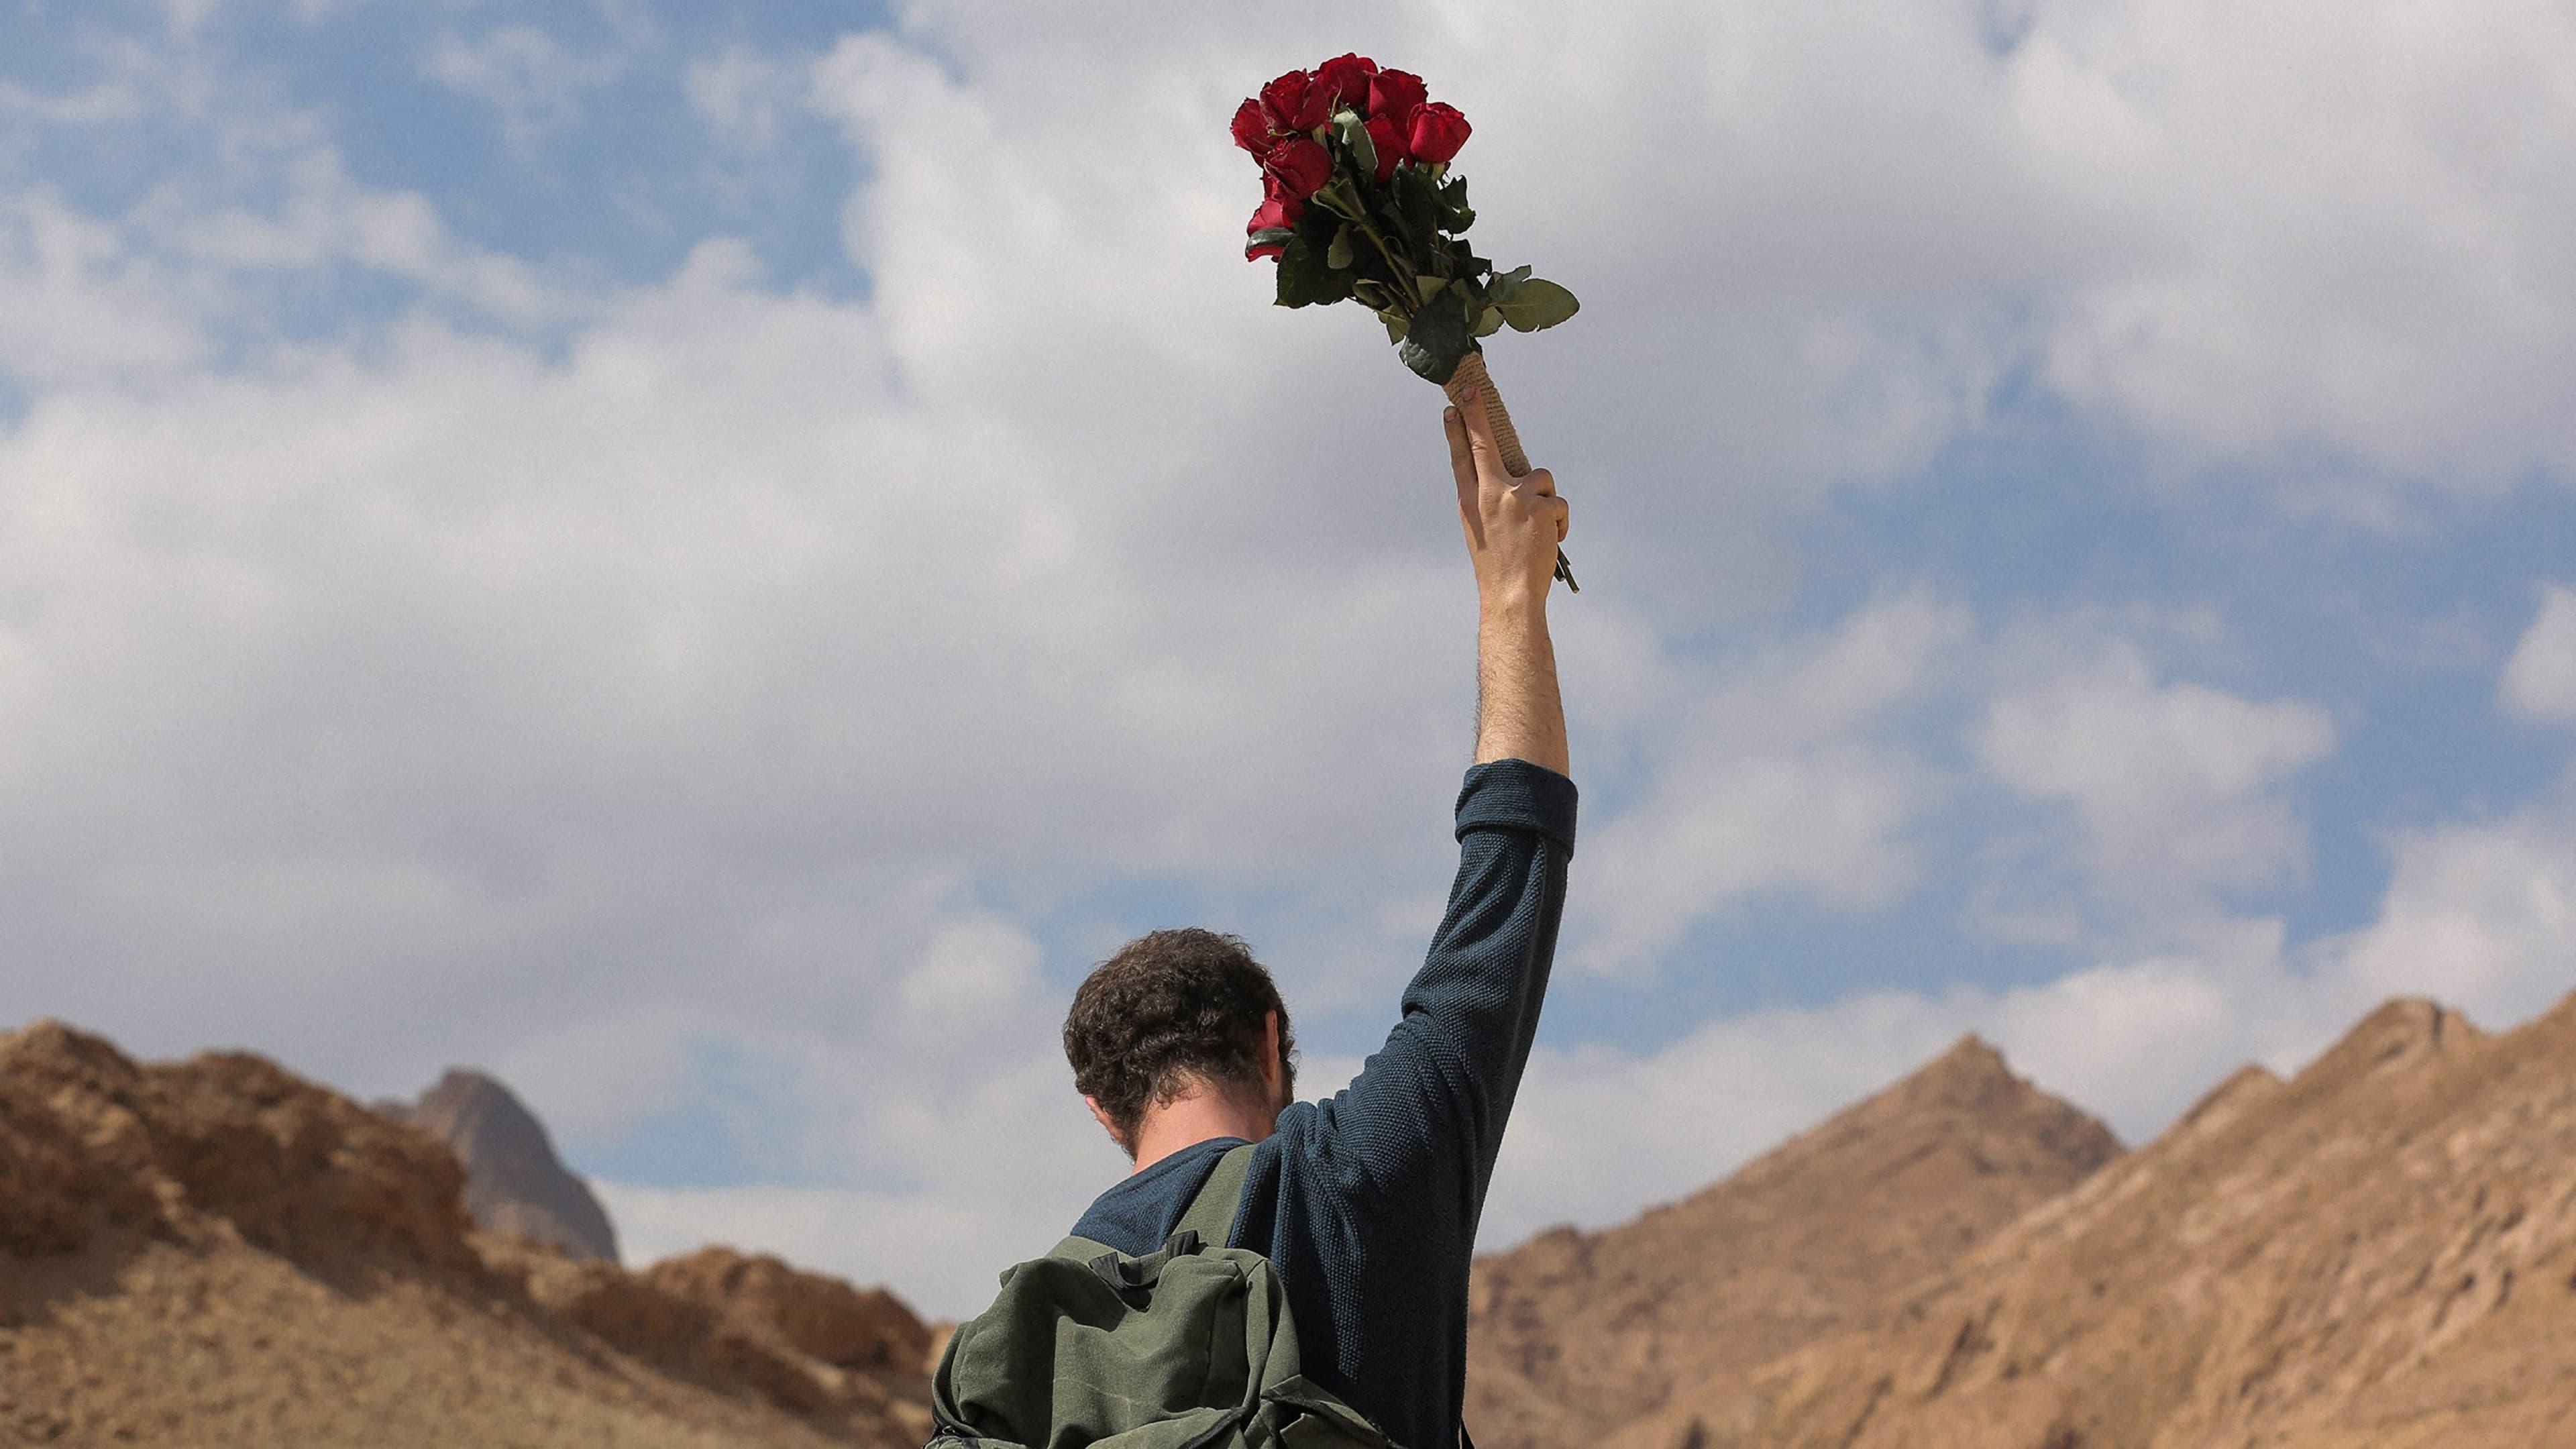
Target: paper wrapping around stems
{"type": "Point", "coordinates": [1471, 374]}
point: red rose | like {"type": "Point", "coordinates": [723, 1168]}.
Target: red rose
{"type": "Point", "coordinates": [1277, 209]}
{"type": "Point", "coordinates": [1389, 141]}
{"type": "Point", "coordinates": [1345, 78]}
{"type": "Point", "coordinates": [1251, 128]}
{"type": "Point", "coordinates": [1300, 164]}
{"type": "Point", "coordinates": [1394, 94]}
{"type": "Point", "coordinates": [1436, 132]}
{"type": "Point", "coordinates": [1295, 102]}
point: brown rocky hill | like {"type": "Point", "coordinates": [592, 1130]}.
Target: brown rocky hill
{"type": "Point", "coordinates": [1574, 1334]}
{"type": "Point", "coordinates": [514, 1184]}
{"type": "Point", "coordinates": [216, 1252]}
{"type": "Point", "coordinates": [2380, 1252]}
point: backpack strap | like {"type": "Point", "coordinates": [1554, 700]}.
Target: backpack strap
{"type": "Point", "coordinates": [1211, 1214]}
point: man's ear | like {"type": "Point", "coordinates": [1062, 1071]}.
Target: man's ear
{"type": "Point", "coordinates": [1274, 1069]}
{"type": "Point", "coordinates": [1102, 1117]}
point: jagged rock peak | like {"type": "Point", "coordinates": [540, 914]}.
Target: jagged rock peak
{"type": "Point", "coordinates": [2224, 1103]}
{"type": "Point", "coordinates": [514, 1183]}
{"type": "Point", "coordinates": [1573, 1333]}
{"type": "Point", "coordinates": [1971, 1087]}
{"type": "Point", "coordinates": [1972, 1066]}
{"type": "Point", "coordinates": [2400, 1035]}
{"type": "Point", "coordinates": [1973, 1054]}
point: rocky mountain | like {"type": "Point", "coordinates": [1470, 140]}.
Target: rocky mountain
{"type": "Point", "coordinates": [1575, 1334]}
{"type": "Point", "coordinates": [216, 1252]}
{"type": "Point", "coordinates": [514, 1184]}
{"type": "Point", "coordinates": [2380, 1252]}
{"type": "Point", "coordinates": [2377, 1254]}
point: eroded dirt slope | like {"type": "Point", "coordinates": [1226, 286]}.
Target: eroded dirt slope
{"type": "Point", "coordinates": [1574, 1334]}
{"type": "Point", "coordinates": [215, 1252]}
{"type": "Point", "coordinates": [2380, 1252]}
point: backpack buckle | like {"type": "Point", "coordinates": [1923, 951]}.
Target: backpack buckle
{"type": "Point", "coordinates": [1132, 1278]}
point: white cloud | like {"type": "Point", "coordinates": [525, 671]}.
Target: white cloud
{"type": "Point", "coordinates": [75, 305]}
{"type": "Point", "coordinates": [2482, 915]}
{"type": "Point", "coordinates": [599, 1076]}
{"type": "Point", "coordinates": [2477, 915]}
{"type": "Point", "coordinates": [324, 217]}
{"type": "Point", "coordinates": [536, 82]}
{"type": "Point", "coordinates": [2332, 222]}
{"type": "Point", "coordinates": [2175, 787]}
{"type": "Point", "coordinates": [2540, 677]}
{"type": "Point", "coordinates": [188, 16]}
{"type": "Point", "coordinates": [1786, 775]}
{"type": "Point", "coordinates": [940, 1254]}
{"type": "Point", "coordinates": [742, 92]}
{"type": "Point", "coordinates": [105, 103]}
{"type": "Point", "coordinates": [971, 970]}
{"type": "Point", "coordinates": [1599, 1133]}
{"type": "Point", "coordinates": [2138, 1040]}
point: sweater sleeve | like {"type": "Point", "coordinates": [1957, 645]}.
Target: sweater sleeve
{"type": "Point", "coordinates": [1421, 1124]}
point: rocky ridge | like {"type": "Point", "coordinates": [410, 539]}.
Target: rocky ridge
{"type": "Point", "coordinates": [2379, 1252]}
{"type": "Point", "coordinates": [216, 1252]}
{"type": "Point", "coordinates": [1574, 1334]}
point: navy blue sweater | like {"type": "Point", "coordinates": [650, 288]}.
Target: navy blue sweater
{"type": "Point", "coordinates": [1367, 1202]}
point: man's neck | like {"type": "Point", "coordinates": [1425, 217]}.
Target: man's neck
{"type": "Point", "coordinates": [1200, 1117]}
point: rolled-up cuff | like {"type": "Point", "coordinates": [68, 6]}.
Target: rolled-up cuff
{"type": "Point", "coordinates": [1517, 795]}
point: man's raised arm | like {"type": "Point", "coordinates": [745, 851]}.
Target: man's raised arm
{"type": "Point", "coordinates": [1424, 1118]}
{"type": "Point", "coordinates": [1369, 1201]}
{"type": "Point", "coordinates": [1513, 527]}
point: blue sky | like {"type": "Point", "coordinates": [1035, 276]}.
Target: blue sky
{"type": "Point", "coordinates": [711, 559]}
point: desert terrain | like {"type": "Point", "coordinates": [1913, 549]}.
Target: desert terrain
{"type": "Point", "coordinates": [2379, 1251]}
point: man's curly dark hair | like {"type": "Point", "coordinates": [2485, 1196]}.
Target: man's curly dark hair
{"type": "Point", "coordinates": [1172, 1011]}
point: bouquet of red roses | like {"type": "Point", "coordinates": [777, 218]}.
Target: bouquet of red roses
{"type": "Point", "coordinates": [1358, 203]}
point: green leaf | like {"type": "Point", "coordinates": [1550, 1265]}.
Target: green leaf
{"type": "Point", "coordinates": [1535, 303]}
{"type": "Point", "coordinates": [1357, 140]}
{"type": "Point", "coordinates": [1397, 324]}
{"type": "Point", "coordinates": [1456, 214]}
{"type": "Point", "coordinates": [1502, 286]}
{"type": "Point", "coordinates": [1338, 255]}
{"type": "Point", "coordinates": [1438, 338]}
{"type": "Point", "coordinates": [1429, 287]}
{"type": "Point", "coordinates": [1342, 199]}
{"type": "Point", "coordinates": [1489, 320]}
{"type": "Point", "coordinates": [1416, 205]}
{"type": "Point", "coordinates": [1373, 294]}
{"type": "Point", "coordinates": [1304, 280]}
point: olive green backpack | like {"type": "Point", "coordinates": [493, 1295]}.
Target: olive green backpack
{"type": "Point", "coordinates": [1188, 1347]}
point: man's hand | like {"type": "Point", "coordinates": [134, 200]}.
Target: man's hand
{"type": "Point", "coordinates": [1513, 526]}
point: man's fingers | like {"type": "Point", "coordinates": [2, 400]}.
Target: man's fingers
{"type": "Point", "coordinates": [1462, 461]}
{"type": "Point", "coordinates": [1474, 462]}
{"type": "Point", "coordinates": [1462, 467]}
{"type": "Point", "coordinates": [1480, 436]}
